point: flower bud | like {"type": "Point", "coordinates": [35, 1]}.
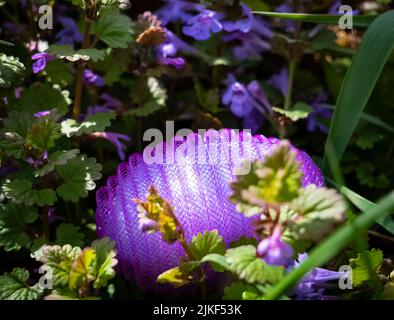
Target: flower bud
{"type": "Point", "coordinates": [274, 251]}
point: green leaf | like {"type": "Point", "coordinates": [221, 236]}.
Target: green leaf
{"type": "Point", "coordinates": [243, 241]}
{"type": "Point", "coordinates": [207, 99]}
{"type": "Point", "coordinates": [247, 266]}
{"type": "Point", "coordinates": [79, 3]}
{"type": "Point", "coordinates": [368, 139]}
{"type": "Point", "coordinates": [60, 260]}
{"type": "Point", "coordinates": [153, 100]}
{"type": "Point", "coordinates": [236, 290]}
{"type": "Point", "coordinates": [360, 80]}
{"type": "Point", "coordinates": [327, 249]}
{"type": "Point", "coordinates": [207, 243]}
{"type": "Point", "coordinates": [11, 71]}
{"type": "Point", "coordinates": [68, 53]}
{"type": "Point", "coordinates": [78, 177]}
{"type": "Point", "coordinates": [18, 122]}
{"type": "Point", "coordinates": [300, 111]}
{"type": "Point", "coordinates": [13, 223]}
{"type": "Point", "coordinates": [43, 134]}
{"type": "Point", "coordinates": [14, 132]}
{"type": "Point", "coordinates": [58, 72]}
{"type": "Point", "coordinates": [40, 97]}
{"type": "Point", "coordinates": [20, 191]}
{"type": "Point", "coordinates": [276, 179]}
{"type": "Point", "coordinates": [114, 30]}
{"type": "Point", "coordinates": [105, 261]}
{"type": "Point", "coordinates": [358, 20]}
{"type": "Point", "coordinates": [217, 261]}
{"type": "Point", "coordinates": [360, 269]}
{"type": "Point", "coordinates": [68, 233]}
{"type": "Point", "coordinates": [81, 269]}
{"type": "Point", "coordinates": [175, 276]}
{"type": "Point", "coordinates": [57, 158]}
{"type": "Point", "coordinates": [13, 286]}
{"type": "Point", "coordinates": [318, 212]}
{"type": "Point", "coordinates": [93, 123]}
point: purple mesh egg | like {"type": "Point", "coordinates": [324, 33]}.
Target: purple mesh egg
{"type": "Point", "coordinates": [196, 183]}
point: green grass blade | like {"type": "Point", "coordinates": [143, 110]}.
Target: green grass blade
{"type": "Point", "coordinates": [360, 80]}
{"type": "Point", "coordinates": [325, 251]}
{"type": "Point", "coordinates": [363, 204]}
{"type": "Point", "coordinates": [358, 20]}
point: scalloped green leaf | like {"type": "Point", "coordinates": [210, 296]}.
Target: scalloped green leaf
{"type": "Point", "coordinates": [13, 286]}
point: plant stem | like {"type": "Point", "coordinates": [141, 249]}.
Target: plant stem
{"type": "Point", "coordinates": [80, 70]}
{"type": "Point", "coordinates": [288, 98]}
{"type": "Point", "coordinates": [45, 223]}
{"type": "Point", "coordinates": [200, 273]}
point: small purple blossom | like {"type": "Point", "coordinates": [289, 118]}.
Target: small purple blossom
{"type": "Point", "coordinates": [313, 285]}
{"type": "Point", "coordinates": [38, 162]}
{"type": "Point", "coordinates": [274, 250]}
{"type": "Point", "coordinates": [41, 60]}
{"type": "Point", "coordinates": [321, 112]}
{"type": "Point", "coordinates": [70, 34]}
{"type": "Point", "coordinates": [287, 8]}
{"type": "Point", "coordinates": [201, 26]}
{"type": "Point", "coordinates": [259, 95]}
{"type": "Point", "coordinates": [166, 51]}
{"type": "Point", "coordinates": [280, 81]}
{"type": "Point", "coordinates": [115, 139]}
{"type": "Point", "coordinates": [177, 10]}
{"type": "Point", "coordinates": [237, 97]}
{"type": "Point", "coordinates": [243, 24]}
{"type": "Point", "coordinates": [251, 45]}
{"type": "Point", "coordinates": [91, 78]}
{"type": "Point", "coordinates": [42, 114]}
{"type": "Point", "coordinates": [109, 104]}
{"type": "Point", "coordinates": [176, 63]}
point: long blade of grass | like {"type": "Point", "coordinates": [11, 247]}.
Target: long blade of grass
{"type": "Point", "coordinates": [363, 204]}
{"type": "Point", "coordinates": [325, 251]}
{"type": "Point", "coordinates": [360, 80]}
{"type": "Point", "coordinates": [358, 20]}
{"type": "Point", "coordinates": [371, 119]}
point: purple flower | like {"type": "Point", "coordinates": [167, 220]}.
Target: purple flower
{"type": "Point", "coordinates": [313, 285]}
{"type": "Point", "coordinates": [320, 113]}
{"type": "Point", "coordinates": [244, 24]}
{"type": "Point", "coordinates": [177, 63]}
{"type": "Point", "coordinates": [251, 45]}
{"type": "Point", "coordinates": [203, 25]}
{"type": "Point", "coordinates": [109, 104]}
{"type": "Point", "coordinates": [287, 8]}
{"type": "Point", "coordinates": [166, 51]}
{"type": "Point", "coordinates": [237, 97]}
{"type": "Point", "coordinates": [274, 250]}
{"type": "Point", "coordinates": [115, 139]}
{"type": "Point", "coordinates": [177, 10]}
{"type": "Point", "coordinates": [280, 81]}
{"type": "Point", "coordinates": [41, 61]}
{"type": "Point", "coordinates": [93, 79]}
{"type": "Point", "coordinates": [172, 45]}
{"type": "Point", "coordinates": [42, 114]}
{"type": "Point", "coordinates": [70, 34]}
{"type": "Point", "coordinates": [38, 162]}
{"type": "Point", "coordinates": [259, 95]}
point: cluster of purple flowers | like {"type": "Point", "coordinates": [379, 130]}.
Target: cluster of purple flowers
{"type": "Point", "coordinates": [273, 250]}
